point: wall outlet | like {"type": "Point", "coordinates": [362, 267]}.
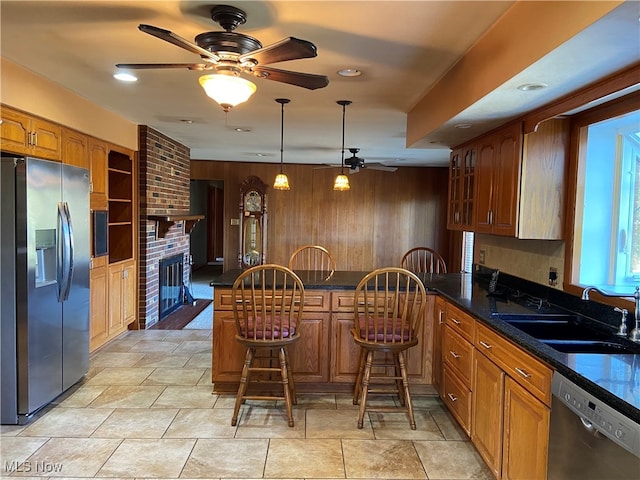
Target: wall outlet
{"type": "Point", "coordinates": [553, 276]}
{"type": "Point", "coordinates": [481, 255]}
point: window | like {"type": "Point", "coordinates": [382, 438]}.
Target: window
{"type": "Point", "coordinates": [606, 237]}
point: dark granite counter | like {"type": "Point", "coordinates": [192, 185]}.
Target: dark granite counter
{"type": "Point", "coordinates": [615, 379]}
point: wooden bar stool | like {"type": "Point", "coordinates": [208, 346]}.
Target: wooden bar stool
{"type": "Point", "coordinates": [267, 305]}
{"type": "Point", "coordinates": [389, 307]}
{"type": "Point", "coordinates": [423, 260]}
{"type": "Point", "coordinates": [314, 258]}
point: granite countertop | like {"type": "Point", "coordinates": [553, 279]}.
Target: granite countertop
{"type": "Point", "coordinates": [614, 379]}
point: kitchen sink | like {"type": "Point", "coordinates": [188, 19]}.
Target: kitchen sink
{"type": "Point", "coordinates": [553, 326]}
{"type": "Point", "coordinates": [592, 346]}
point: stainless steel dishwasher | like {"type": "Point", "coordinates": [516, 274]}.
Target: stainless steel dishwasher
{"type": "Point", "coordinates": [589, 439]}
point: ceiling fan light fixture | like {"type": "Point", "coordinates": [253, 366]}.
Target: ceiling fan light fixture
{"type": "Point", "coordinates": [227, 90]}
{"type": "Point", "coordinates": [341, 183]}
{"type": "Point", "coordinates": [281, 182]}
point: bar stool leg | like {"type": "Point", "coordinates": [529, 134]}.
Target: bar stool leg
{"type": "Point", "coordinates": [407, 394]}
{"type": "Point", "coordinates": [242, 388]}
{"type": "Point", "coordinates": [358, 387]}
{"type": "Point", "coordinates": [365, 388]}
{"type": "Point", "coordinates": [285, 384]}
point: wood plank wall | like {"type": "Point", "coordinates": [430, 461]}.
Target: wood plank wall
{"type": "Point", "coordinates": [372, 225]}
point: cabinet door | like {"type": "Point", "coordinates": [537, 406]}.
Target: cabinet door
{"type": "Point", "coordinates": [14, 131]}
{"type": "Point", "coordinates": [98, 154]}
{"type": "Point", "coordinates": [487, 408]}
{"type": "Point", "coordinates": [46, 139]}
{"type": "Point", "coordinates": [455, 194]}
{"type": "Point", "coordinates": [129, 293]}
{"type": "Point", "coordinates": [75, 148]}
{"type": "Point", "coordinates": [438, 325]}
{"type": "Point", "coordinates": [307, 355]}
{"type": "Point", "coordinates": [506, 181]}
{"type": "Point", "coordinates": [526, 434]}
{"type": "Point", "coordinates": [229, 355]}
{"type": "Point", "coordinates": [484, 185]}
{"type": "Point", "coordinates": [99, 316]}
{"type": "Point", "coordinates": [116, 321]}
{"type": "Point", "coordinates": [344, 351]}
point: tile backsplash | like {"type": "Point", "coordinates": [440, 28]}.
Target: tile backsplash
{"type": "Point", "coordinates": [528, 259]}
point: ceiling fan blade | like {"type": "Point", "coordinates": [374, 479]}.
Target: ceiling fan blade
{"type": "Point", "coordinates": [171, 37]}
{"type": "Point", "coordinates": [290, 48]}
{"type": "Point", "coordinates": [144, 66]}
{"type": "Point", "coordinates": [384, 168]}
{"type": "Point", "coordinates": [306, 80]}
{"type": "Point", "coordinates": [326, 166]}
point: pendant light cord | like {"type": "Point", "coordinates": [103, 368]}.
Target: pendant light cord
{"type": "Point", "coordinates": [344, 109]}
{"type": "Point", "coordinates": [281, 138]}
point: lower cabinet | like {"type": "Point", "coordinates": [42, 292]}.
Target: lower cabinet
{"type": "Point", "coordinates": [113, 300]}
{"type": "Point", "coordinates": [505, 407]}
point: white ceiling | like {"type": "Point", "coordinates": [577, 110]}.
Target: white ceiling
{"type": "Point", "coordinates": [402, 48]}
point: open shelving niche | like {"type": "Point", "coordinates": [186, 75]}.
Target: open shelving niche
{"type": "Point", "coordinates": [120, 171]}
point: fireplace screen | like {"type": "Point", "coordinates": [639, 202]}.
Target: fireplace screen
{"type": "Point", "coordinates": [171, 284]}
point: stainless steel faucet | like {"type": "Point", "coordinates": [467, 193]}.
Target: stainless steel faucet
{"type": "Point", "coordinates": [635, 333]}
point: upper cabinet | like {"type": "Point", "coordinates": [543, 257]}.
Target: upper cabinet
{"type": "Point", "coordinates": [513, 183]}
{"type": "Point", "coordinates": [98, 161]}
{"type": "Point", "coordinates": [75, 148]}
{"type": "Point", "coordinates": [25, 134]}
{"type": "Point", "coordinates": [461, 187]}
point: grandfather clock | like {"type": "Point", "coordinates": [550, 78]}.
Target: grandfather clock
{"type": "Point", "coordinates": [253, 222]}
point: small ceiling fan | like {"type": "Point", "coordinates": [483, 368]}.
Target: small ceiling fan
{"type": "Point", "coordinates": [232, 53]}
{"type": "Point", "coordinates": [355, 163]}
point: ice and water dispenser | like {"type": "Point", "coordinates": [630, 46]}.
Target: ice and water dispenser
{"type": "Point", "coordinates": [45, 257]}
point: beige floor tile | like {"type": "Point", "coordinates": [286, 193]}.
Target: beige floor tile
{"type": "Point", "coordinates": [189, 334]}
{"type": "Point", "coordinates": [162, 458]}
{"type": "Point", "coordinates": [193, 346]}
{"type": "Point", "coordinates": [346, 401]}
{"type": "Point", "coordinates": [200, 360]}
{"type": "Point", "coordinates": [202, 423]}
{"type": "Point", "coordinates": [389, 426]}
{"type": "Point", "coordinates": [310, 400]}
{"type": "Point", "coordinates": [67, 422]}
{"type": "Point", "coordinates": [222, 458]}
{"type": "Point", "coordinates": [323, 423]}
{"type": "Point", "coordinates": [16, 449]}
{"type": "Point", "coordinates": [71, 457]}
{"type": "Point", "coordinates": [136, 423]}
{"type": "Point", "coordinates": [258, 422]}
{"type": "Point", "coordinates": [304, 458]}
{"type": "Point", "coordinates": [154, 346]}
{"type": "Point", "coordinates": [387, 459]}
{"type": "Point", "coordinates": [451, 460]}
{"type": "Point", "coordinates": [137, 335]}
{"type": "Point", "coordinates": [128, 396]}
{"type": "Point", "coordinates": [120, 376]}
{"type": "Point", "coordinates": [206, 378]}
{"type": "Point", "coordinates": [156, 360]}
{"type": "Point", "coordinates": [448, 426]}
{"type": "Point", "coordinates": [427, 402]}
{"type": "Point", "coordinates": [175, 376]}
{"type": "Point", "coordinates": [82, 396]}
{"type": "Point", "coordinates": [228, 401]}
{"type": "Point", "coordinates": [115, 359]}
{"type": "Point", "coordinates": [186, 396]}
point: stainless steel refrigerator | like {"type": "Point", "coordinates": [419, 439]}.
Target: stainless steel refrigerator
{"type": "Point", "coordinates": [44, 283]}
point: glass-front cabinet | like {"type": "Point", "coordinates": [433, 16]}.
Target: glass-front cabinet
{"type": "Point", "coordinates": [461, 186]}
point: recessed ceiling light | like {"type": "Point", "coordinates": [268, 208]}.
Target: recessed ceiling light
{"type": "Point", "coordinates": [242, 129]}
{"type": "Point", "coordinates": [349, 72]}
{"type": "Point", "coordinates": [527, 87]}
{"type": "Point", "coordinates": [463, 125]}
{"type": "Point", "coordinates": [187, 121]}
{"type": "Point", "coordinates": [125, 77]}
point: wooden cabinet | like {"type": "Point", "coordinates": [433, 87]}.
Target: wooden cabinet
{"type": "Point", "coordinates": [519, 181]}
{"type": "Point", "coordinates": [122, 285]}
{"type": "Point", "coordinates": [461, 188]}
{"type": "Point", "coordinates": [75, 148]}
{"type": "Point", "coordinates": [98, 161]}
{"type": "Point", "coordinates": [438, 327]}
{"type": "Point", "coordinates": [98, 303]}
{"type": "Point", "coordinates": [25, 134]}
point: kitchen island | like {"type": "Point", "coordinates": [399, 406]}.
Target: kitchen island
{"type": "Point", "coordinates": [325, 359]}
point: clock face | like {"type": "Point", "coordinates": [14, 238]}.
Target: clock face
{"type": "Point", "coordinates": [253, 201]}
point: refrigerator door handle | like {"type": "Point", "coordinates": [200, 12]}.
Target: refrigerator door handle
{"type": "Point", "coordinates": [64, 251]}
{"type": "Point", "coordinates": [70, 258]}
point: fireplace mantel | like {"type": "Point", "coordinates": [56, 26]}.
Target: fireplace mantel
{"type": "Point", "coordinates": [165, 222]}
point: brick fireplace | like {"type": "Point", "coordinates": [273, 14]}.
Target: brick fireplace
{"type": "Point", "coordinates": [164, 167]}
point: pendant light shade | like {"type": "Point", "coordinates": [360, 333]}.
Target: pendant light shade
{"type": "Point", "coordinates": [281, 182]}
{"type": "Point", "coordinates": [228, 90]}
{"type": "Point", "coordinates": [342, 181]}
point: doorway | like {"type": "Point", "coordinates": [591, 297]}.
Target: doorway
{"type": "Point", "coordinates": [215, 212]}
{"type": "Point", "coordinates": [207, 237]}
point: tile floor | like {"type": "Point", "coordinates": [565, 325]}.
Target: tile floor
{"type": "Point", "coordinates": [146, 410]}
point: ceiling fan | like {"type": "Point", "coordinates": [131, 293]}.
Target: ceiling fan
{"type": "Point", "coordinates": [232, 53]}
{"type": "Point", "coordinates": [355, 163]}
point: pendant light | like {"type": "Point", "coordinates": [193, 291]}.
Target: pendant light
{"type": "Point", "coordinates": [342, 181]}
{"type": "Point", "coordinates": [281, 182]}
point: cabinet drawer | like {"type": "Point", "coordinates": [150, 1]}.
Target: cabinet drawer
{"type": "Point", "coordinates": [458, 398]}
{"type": "Point", "coordinates": [461, 322]}
{"type": "Point", "coordinates": [314, 301]}
{"type": "Point", "coordinates": [458, 354]}
{"type": "Point", "coordinates": [342, 301]}
{"type": "Point", "coordinates": [525, 369]}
